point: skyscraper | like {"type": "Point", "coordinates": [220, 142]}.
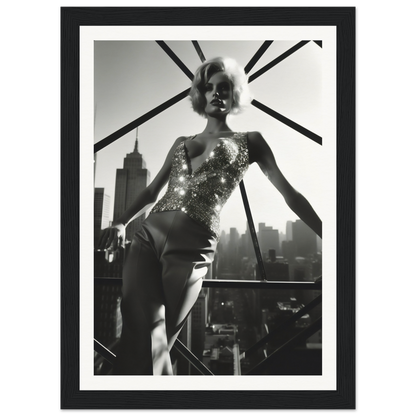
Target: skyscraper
{"type": "Point", "coordinates": [305, 239]}
{"type": "Point", "coordinates": [268, 239]}
{"type": "Point", "coordinates": [101, 212]}
{"type": "Point", "coordinates": [133, 178]}
{"type": "Point", "coordinates": [289, 233]}
{"type": "Point", "coordinates": [233, 255]}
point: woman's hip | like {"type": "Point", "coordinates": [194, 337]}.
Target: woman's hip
{"type": "Point", "coordinates": [174, 232]}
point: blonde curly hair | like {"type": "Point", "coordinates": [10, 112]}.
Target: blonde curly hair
{"type": "Point", "coordinates": [236, 75]}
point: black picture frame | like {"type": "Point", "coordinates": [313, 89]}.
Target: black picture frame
{"type": "Point", "coordinates": [72, 18]}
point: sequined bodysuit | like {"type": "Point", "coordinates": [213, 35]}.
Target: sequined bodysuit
{"type": "Point", "coordinates": [202, 194]}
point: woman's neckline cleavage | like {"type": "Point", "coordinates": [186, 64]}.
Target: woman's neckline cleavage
{"type": "Point", "coordinates": [192, 170]}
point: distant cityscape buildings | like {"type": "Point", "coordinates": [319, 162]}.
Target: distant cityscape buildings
{"type": "Point", "coordinates": [101, 212]}
{"type": "Point", "coordinates": [224, 322]}
{"type": "Point", "coordinates": [268, 239]}
{"type": "Point", "coordinates": [130, 180]}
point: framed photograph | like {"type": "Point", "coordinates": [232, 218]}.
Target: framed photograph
{"type": "Point", "coordinates": [271, 320]}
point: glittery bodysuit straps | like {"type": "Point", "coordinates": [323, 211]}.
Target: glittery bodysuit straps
{"type": "Point", "coordinates": [201, 193]}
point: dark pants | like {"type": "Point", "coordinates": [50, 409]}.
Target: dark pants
{"type": "Point", "coordinates": [162, 278]}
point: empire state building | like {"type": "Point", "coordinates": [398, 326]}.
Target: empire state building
{"type": "Point", "coordinates": [130, 181]}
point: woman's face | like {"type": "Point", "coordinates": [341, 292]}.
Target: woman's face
{"type": "Point", "coordinates": [218, 95]}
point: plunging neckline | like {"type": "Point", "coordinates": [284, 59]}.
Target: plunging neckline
{"type": "Point", "coordinates": [191, 170]}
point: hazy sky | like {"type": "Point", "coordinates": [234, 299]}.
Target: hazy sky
{"type": "Point", "coordinates": [133, 77]}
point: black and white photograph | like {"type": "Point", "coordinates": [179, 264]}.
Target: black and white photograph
{"type": "Point", "coordinates": [248, 314]}
{"type": "Point", "coordinates": [208, 193]}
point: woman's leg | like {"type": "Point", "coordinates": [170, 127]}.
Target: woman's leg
{"type": "Point", "coordinates": [179, 306]}
{"type": "Point", "coordinates": [162, 278]}
{"type": "Point", "coordinates": [187, 253]}
{"type": "Point", "coordinates": [143, 343]}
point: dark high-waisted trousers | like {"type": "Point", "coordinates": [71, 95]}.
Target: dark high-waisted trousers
{"type": "Point", "coordinates": [162, 277]}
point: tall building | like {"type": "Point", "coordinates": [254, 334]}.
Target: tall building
{"type": "Point", "coordinates": [305, 239]}
{"type": "Point", "coordinates": [289, 234]}
{"type": "Point", "coordinates": [107, 315]}
{"type": "Point", "coordinates": [247, 244]}
{"type": "Point", "coordinates": [233, 250]}
{"type": "Point", "coordinates": [101, 212]}
{"type": "Point", "coordinates": [289, 250]}
{"type": "Point", "coordinates": [268, 239]}
{"type": "Point", "coordinates": [133, 178]}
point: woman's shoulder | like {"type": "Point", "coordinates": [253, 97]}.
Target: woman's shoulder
{"type": "Point", "coordinates": [254, 136]}
{"type": "Point", "coordinates": [254, 139]}
{"type": "Point", "coordinates": [175, 147]}
{"type": "Point", "coordinates": [180, 140]}
{"type": "Point", "coordinates": [256, 145]}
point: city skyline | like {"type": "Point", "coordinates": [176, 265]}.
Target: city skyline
{"type": "Point", "coordinates": [223, 230]}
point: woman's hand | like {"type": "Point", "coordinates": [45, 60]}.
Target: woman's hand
{"type": "Point", "coordinates": [112, 238]}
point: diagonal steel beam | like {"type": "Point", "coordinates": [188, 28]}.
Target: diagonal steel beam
{"type": "Point", "coordinates": [280, 58]}
{"type": "Point", "coordinates": [104, 352]}
{"type": "Point", "coordinates": [288, 122]}
{"type": "Point", "coordinates": [126, 129]}
{"type": "Point", "coordinates": [199, 50]}
{"type": "Point", "coordinates": [282, 327]}
{"type": "Point", "coordinates": [263, 48]}
{"type": "Point", "coordinates": [189, 355]}
{"type": "Point", "coordinates": [256, 103]}
{"type": "Point", "coordinates": [142, 119]}
{"type": "Point", "coordinates": [179, 346]}
{"type": "Point", "coordinates": [273, 113]}
{"type": "Point", "coordinates": [175, 59]}
{"type": "Point", "coordinates": [304, 334]}
{"type": "Point", "coordinates": [253, 232]}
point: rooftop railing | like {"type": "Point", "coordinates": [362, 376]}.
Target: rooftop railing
{"type": "Point", "coordinates": [287, 338]}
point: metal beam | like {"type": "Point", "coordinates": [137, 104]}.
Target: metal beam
{"type": "Point", "coordinates": [199, 50]}
{"type": "Point", "coordinates": [282, 327]}
{"type": "Point", "coordinates": [182, 349]}
{"type": "Point", "coordinates": [236, 284]}
{"type": "Point", "coordinates": [263, 48]}
{"type": "Point", "coordinates": [280, 58]}
{"type": "Point", "coordinates": [306, 333]}
{"type": "Point", "coordinates": [288, 122]}
{"type": "Point", "coordinates": [142, 119]}
{"type": "Point", "coordinates": [252, 231]}
{"type": "Point", "coordinates": [175, 59]}
{"type": "Point", "coordinates": [126, 129]}
{"type": "Point", "coordinates": [104, 352]}
{"type": "Point", "coordinates": [260, 284]}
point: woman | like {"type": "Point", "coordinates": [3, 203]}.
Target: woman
{"type": "Point", "coordinates": [170, 255]}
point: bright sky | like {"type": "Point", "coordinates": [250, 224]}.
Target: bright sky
{"type": "Point", "coordinates": [133, 77]}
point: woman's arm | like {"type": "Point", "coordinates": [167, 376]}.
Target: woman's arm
{"type": "Point", "coordinates": [260, 152]}
{"type": "Point", "coordinates": [113, 236]}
